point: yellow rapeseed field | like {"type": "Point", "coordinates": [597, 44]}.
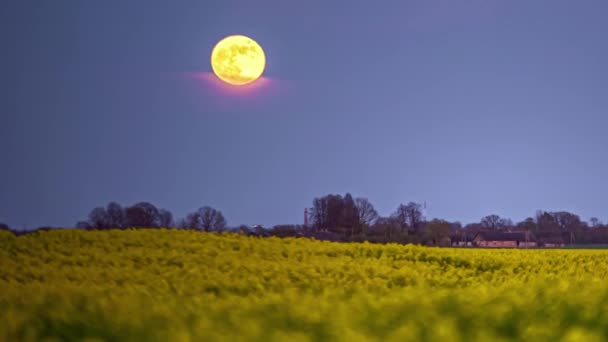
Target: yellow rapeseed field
{"type": "Point", "coordinates": [174, 285]}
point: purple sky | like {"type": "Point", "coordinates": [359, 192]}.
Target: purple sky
{"type": "Point", "coordinates": [476, 106]}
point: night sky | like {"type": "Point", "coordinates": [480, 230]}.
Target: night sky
{"type": "Point", "coordinates": [475, 106]}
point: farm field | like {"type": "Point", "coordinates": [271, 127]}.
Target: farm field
{"type": "Point", "coordinates": [175, 285]}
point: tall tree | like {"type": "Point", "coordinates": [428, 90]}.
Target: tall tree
{"type": "Point", "coordinates": [400, 216]}
{"type": "Point", "coordinates": [331, 212]}
{"type": "Point", "coordinates": [335, 205]}
{"type": "Point", "coordinates": [409, 215]}
{"type": "Point", "coordinates": [414, 214]}
{"type": "Point", "coordinates": [367, 214]}
{"type": "Point", "coordinates": [318, 213]}
{"type": "Point", "coordinates": [349, 217]}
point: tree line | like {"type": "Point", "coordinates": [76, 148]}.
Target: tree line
{"type": "Point", "coordinates": [146, 215]}
{"type": "Point", "coordinates": [345, 218]}
{"type": "Point", "coordinates": [357, 220]}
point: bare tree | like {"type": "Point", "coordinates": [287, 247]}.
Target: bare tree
{"type": "Point", "coordinates": [490, 222]}
{"type": "Point", "coordinates": [409, 215]}
{"type": "Point", "coordinates": [318, 214]}
{"type": "Point", "coordinates": [367, 214]}
{"type": "Point", "coordinates": [414, 214]}
{"type": "Point", "coordinates": [400, 216]}
{"type": "Point", "coordinates": [211, 219]}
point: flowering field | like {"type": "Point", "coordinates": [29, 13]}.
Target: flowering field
{"type": "Point", "coordinates": [171, 285]}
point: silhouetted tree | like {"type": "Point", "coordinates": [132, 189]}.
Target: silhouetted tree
{"type": "Point", "coordinates": [334, 213]}
{"type": "Point", "coordinates": [318, 214]}
{"type": "Point", "coordinates": [142, 215]}
{"type": "Point", "coordinates": [98, 218]}
{"type": "Point", "coordinates": [191, 221]}
{"type": "Point", "coordinates": [4, 226]}
{"type": "Point", "coordinates": [595, 222]}
{"type": "Point", "coordinates": [409, 216]}
{"type": "Point", "coordinates": [112, 216]}
{"type": "Point", "coordinates": [211, 219]}
{"type": "Point", "coordinates": [165, 218]}
{"type": "Point", "coordinates": [205, 218]}
{"type": "Point", "coordinates": [349, 217]}
{"type": "Point", "coordinates": [490, 222]}
{"type": "Point", "coordinates": [495, 222]}
{"type": "Point", "coordinates": [367, 214]}
{"type": "Point", "coordinates": [546, 222]}
{"type": "Point", "coordinates": [335, 204]}
{"type": "Point", "coordinates": [115, 215]}
{"type": "Point", "coordinates": [567, 222]}
{"type": "Point", "coordinates": [400, 216]}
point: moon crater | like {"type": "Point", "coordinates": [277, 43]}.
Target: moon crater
{"type": "Point", "coordinates": [238, 60]}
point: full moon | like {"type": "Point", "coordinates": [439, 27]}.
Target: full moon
{"type": "Point", "coordinates": [238, 60]}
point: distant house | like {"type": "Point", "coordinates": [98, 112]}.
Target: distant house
{"type": "Point", "coordinates": [504, 240]}
{"type": "Point", "coordinates": [461, 240]}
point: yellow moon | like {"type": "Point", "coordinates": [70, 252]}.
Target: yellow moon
{"type": "Point", "coordinates": [238, 60]}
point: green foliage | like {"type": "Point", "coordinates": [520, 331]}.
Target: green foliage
{"type": "Point", "coordinates": [177, 285]}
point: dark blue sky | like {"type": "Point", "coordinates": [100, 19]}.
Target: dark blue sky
{"type": "Point", "coordinates": [476, 106]}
